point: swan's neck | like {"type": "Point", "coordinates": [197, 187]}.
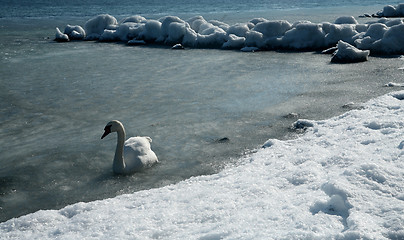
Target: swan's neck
{"type": "Point", "coordinates": [119, 163]}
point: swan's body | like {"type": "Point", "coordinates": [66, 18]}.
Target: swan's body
{"type": "Point", "coordinates": [131, 155]}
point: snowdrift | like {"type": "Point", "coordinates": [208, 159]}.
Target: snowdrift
{"type": "Point", "coordinates": [384, 36]}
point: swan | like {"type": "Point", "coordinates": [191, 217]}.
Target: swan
{"type": "Point", "coordinates": [131, 155]}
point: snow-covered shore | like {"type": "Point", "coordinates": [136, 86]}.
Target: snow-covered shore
{"type": "Point", "coordinates": [342, 179]}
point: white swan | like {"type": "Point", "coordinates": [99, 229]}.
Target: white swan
{"type": "Point", "coordinates": [131, 155]}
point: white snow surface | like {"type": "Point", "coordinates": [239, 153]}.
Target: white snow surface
{"type": "Point", "coordinates": [342, 179]}
{"type": "Point", "coordinates": [381, 37]}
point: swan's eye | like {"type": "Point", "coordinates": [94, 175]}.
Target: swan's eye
{"type": "Point", "coordinates": [108, 128]}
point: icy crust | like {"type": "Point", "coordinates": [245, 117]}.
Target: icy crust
{"type": "Point", "coordinates": [382, 37]}
{"type": "Point", "coordinates": [342, 179]}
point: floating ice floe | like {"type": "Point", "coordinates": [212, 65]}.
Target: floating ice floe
{"type": "Point", "coordinates": [384, 36]}
{"type": "Point", "coordinates": [346, 53]}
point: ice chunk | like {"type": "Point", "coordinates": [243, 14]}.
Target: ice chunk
{"type": "Point", "coordinates": [239, 29]}
{"type": "Point", "coordinates": [273, 28]}
{"type": "Point", "coordinates": [254, 39]}
{"type": "Point", "coordinates": [129, 30]}
{"type": "Point", "coordinates": [109, 36]}
{"type": "Point", "coordinates": [177, 46]}
{"type": "Point", "coordinates": [134, 19]}
{"type": "Point", "coordinates": [345, 32]}
{"type": "Point", "coordinates": [304, 35]}
{"type": "Point", "coordinates": [95, 27]}
{"type": "Point", "coordinates": [249, 49]}
{"type": "Point", "coordinates": [346, 20]}
{"type": "Point", "coordinates": [61, 37]}
{"type": "Point", "coordinates": [302, 124]}
{"type": "Point", "coordinates": [234, 42]}
{"type": "Point", "coordinates": [176, 30]}
{"type": "Point", "coordinates": [346, 53]}
{"type": "Point", "coordinates": [369, 40]}
{"type": "Point", "coordinates": [389, 11]}
{"type": "Point", "coordinates": [393, 41]}
{"type": "Point", "coordinates": [75, 32]}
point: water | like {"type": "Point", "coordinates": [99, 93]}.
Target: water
{"type": "Point", "coordinates": [56, 98]}
{"type": "Point", "coordinates": [77, 8]}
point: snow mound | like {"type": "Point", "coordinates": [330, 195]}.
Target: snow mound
{"type": "Point", "coordinates": [347, 53]}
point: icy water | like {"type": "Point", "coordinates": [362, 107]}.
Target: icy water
{"type": "Point", "coordinates": [203, 108]}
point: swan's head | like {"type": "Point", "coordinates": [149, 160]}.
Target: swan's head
{"type": "Point", "coordinates": [113, 126]}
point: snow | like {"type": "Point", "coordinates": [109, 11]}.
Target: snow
{"type": "Point", "coordinates": [380, 37]}
{"type": "Point", "coordinates": [343, 178]}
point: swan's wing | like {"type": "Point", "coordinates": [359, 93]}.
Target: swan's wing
{"type": "Point", "coordinates": [132, 158]}
{"type": "Point", "coordinates": [138, 154]}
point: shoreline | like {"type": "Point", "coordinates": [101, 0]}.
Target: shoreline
{"type": "Point", "coordinates": [326, 170]}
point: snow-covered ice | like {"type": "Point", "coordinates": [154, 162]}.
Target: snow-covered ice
{"type": "Point", "coordinates": [341, 179]}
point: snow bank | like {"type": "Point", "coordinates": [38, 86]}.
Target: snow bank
{"type": "Point", "coordinates": [346, 53]}
{"type": "Point", "coordinates": [342, 179]}
{"type": "Point", "coordinates": [380, 37]}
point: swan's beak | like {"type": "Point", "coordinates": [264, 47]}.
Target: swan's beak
{"type": "Point", "coordinates": [107, 131]}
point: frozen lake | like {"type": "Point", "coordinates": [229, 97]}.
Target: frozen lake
{"type": "Point", "coordinates": [57, 97]}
